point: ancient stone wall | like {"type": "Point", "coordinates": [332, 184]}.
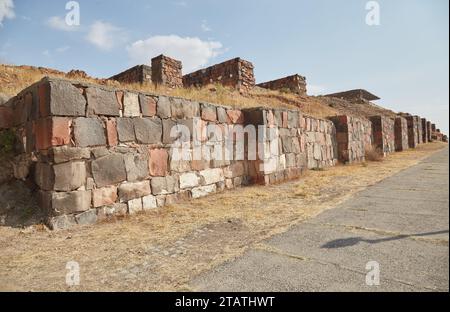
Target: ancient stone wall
{"type": "Point", "coordinates": [429, 131]}
{"type": "Point", "coordinates": [136, 74]}
{"type": "Point", "coordinates": [401, 134]}
{"type": "Point", "coordinates": [383, 134]}
{"type": "Point", "coordinates": [418, 122]}
{"type": "Point", "coordinates": [236, 73]}
{"type": "Point", "coordinates": [424, 130]}
{"type": "Point", "coordinates": [94, 152]}
{"type": "Point", "coordinates": [167, 71]}
{"type": "Point", "coordinates": [353, 137]}
{"type": "Point", "coordinates": [294, 83]}
{"type": "Point", "coordinates": [412, 131]}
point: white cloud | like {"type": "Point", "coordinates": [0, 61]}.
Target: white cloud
{"type": "Point", "coordinates": [315, 89]}
{"type": "Point", "coordinates": [193, 52]}
{"type": "Point", "coordinates": [105, 36]}
{"type": "Point", "coordinates": [59, 23]}
{"type": "Point", "coordinates": [46, 53]}
{"type": "Point", "coordinates": [180, 3]}
{"type": "Point", "coordinates": [6, 10]}
{"type": "Point", "coordinates": [205, 27]}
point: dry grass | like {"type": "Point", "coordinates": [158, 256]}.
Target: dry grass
{"type": "Point", "coordinates": [165, 249]}
{"type": "Point", "coordinates": [374, 154]}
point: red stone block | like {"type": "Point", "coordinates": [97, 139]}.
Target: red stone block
{"type": "Point", "coordinates": [285, 119]}
{"type": "Point", "coordinates": [157, 162]}
{"type": "Point", "coordinates": [111, 131]}
{"type": "Point", "coordinates": [119, 96]}
{"type": "Point", "coordinates": [236, 116]}
{"type": "Point", "coordinates": [52, 132]}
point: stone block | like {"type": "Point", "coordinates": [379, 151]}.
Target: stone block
{"type": "Point", "coordinates": [125, 129]}
{"type": "Point", "coordinates": [86, 218]}
{"type": "Point", "coordinates": [168, 125]}
{"type": "Point", "coordinates": [222, 115]}
{"type": "Point", "coordinates": [136, 167]}
{"type": "Point", "coordinates": [109, 170]}
{"type": "Point", "coordinates": [117, 209]}
{"type": "Point", "coordinates": [184, 109]}
{"type": "Point", "coordinates": [148, 105]}
{"type": "Point", "coordinates": [53, 131]}
{"type": "Point", "coordinates": [163, 109]}
{"type": "Point", "coordinates": [209, 112]}
{"type": "Point", "coordinates": [164, 185]}
{"type": "Point", "coordinates": [211, 176]}
{"type": "Point", "coordinates": [188, 180]}
{"type": "Point", "coordinates": [44, 176]}
{"type": "Point", "coordinates": [131, 106]}
{"type": "Point", "coordinates": [158, 162]}
{"type": "Point", "coordinates": [104, 196]}
{"type": "Point", "coordinates": [148, 131]}
{"type": "Point", "coordinates": [61, 98]}
{"type": "Point", "coordinates": [62, 154]}
{"type": "Point", "coordinates": [101, 102]}
{"type": "Point", "coordinates": [149, 202]}
{"type": "Point", "coordinates": [69, 202]}
{"type": "Point", "coordinates": [203, 191]}
{"type": "Point", "coordinates": [236, 169]}
{"type": "Point", "coordinates": [89, 132]}
{"type": "Point", "coordinates": [111, 132]}
{"type": "Point", "coordinates": [235, 116]}
{"type": "Point", "coordinates": [134, 206]}
{"type": "Point", "coordinates": [61, 222]}
{"type": "Point", "coordinates": [69, 176]}
{"type": "Point", "coordinates": [132, 190]}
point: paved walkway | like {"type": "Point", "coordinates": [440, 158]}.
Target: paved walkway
{"type": "Point", "coordinates": [402, 223]}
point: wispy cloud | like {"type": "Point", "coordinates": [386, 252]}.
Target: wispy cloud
{"type": "Point", "coordinates": [62, 49]}
{"type": "Point", "coordinates": [205, 27]}
{"type": "Point", "coordinates": [106, 36]}
{"type": "Point", "coordinates": [193, 52]}
{"type": "Point", "coordinates": [6, 10]}
{"type": "Point", "coordinates": [180, 3]}
{"type": "Point", "coordinates": [59, 23]}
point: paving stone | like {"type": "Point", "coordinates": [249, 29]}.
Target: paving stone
{"type": "Point", "coordinates": [101, 102]}
{"type": "Point", "coordinates": [131, 106]}
{"type": "Point", "coordinates": [148, 131]}
{"type": "Point", "coordinates": [132, 190]}
{"type": "Point", "coordinates": [69, 176]}
{"type": "Point", "coordinates": [61, 98]}
{"type": "Point", "coordinates": [104, 196]}
{"type": "Point", "coordinates": [89, 132]}
{"type": "Point", "coordinates": [109, 170]}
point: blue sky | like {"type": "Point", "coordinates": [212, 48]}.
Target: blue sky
{"type": "Point", "coordinates": [404, 60]}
